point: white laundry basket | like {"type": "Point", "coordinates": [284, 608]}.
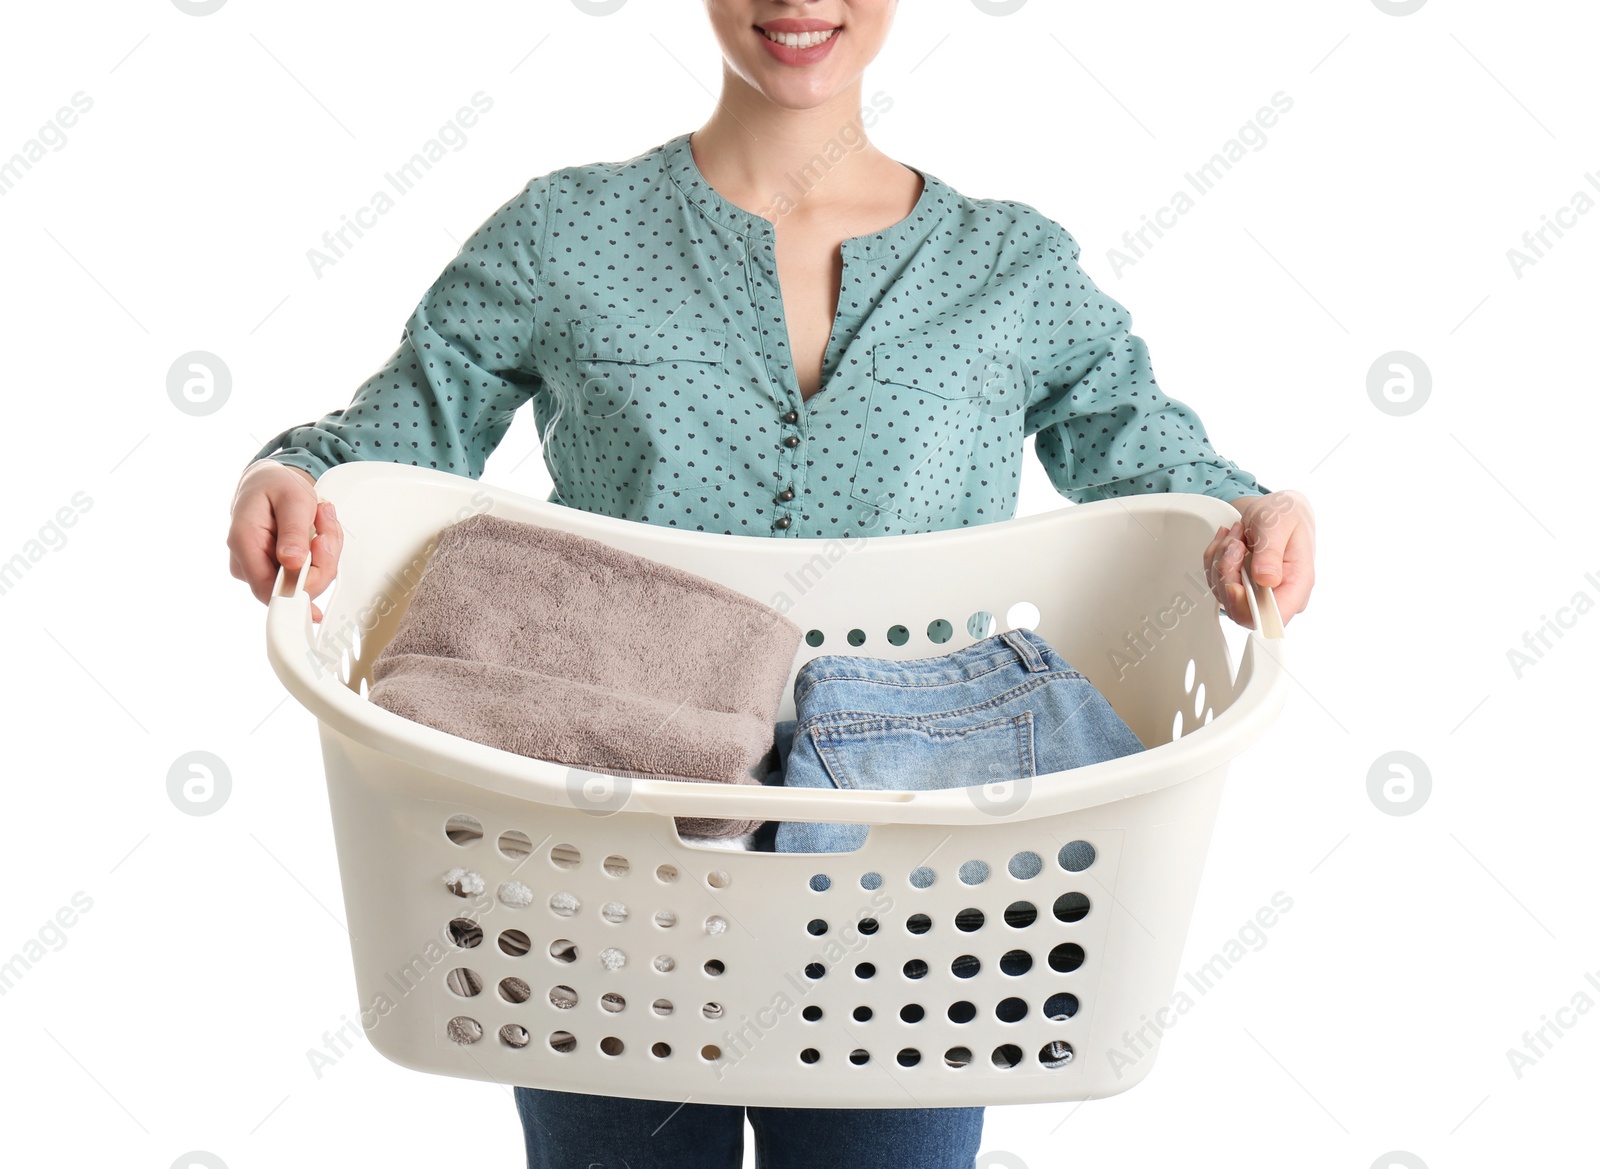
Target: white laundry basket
{"type": "Point", "coordinates": [740, 982]}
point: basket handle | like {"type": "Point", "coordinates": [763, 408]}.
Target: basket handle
{"type": "Point", "coordinates": [1266, 621]}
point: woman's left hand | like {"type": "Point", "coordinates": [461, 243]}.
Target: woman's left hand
{"type": "Point", "coordinates": [1281, 534]}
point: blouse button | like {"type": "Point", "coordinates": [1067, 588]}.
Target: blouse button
{"type": "Point", "coordinates": [792, 416]}
{"type": "Point", "coordinates": [792, 441]}
{"type": "Point", "coordinates": [783, 522]}
{"type": "Point", "coordinates": [788, 494]}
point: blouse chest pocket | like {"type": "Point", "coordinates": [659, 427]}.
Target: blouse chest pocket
{"type": "Point", "coordinates": [927, 402]}
{"type": "Point", "coordinates": [633, 399]}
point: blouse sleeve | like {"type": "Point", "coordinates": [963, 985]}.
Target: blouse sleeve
{"type": "Point", "coordinates": [1104, 428]}
{"type": "Point", "coordinates": [447, 394]}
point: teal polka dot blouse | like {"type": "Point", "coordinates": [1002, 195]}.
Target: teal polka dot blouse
{"type": "Point", "coordinates": [639, 313]}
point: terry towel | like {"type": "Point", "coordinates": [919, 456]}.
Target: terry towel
{"type": "Point", "coordinates": [563, 648]}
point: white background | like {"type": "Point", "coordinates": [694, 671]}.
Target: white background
{"type": "Point", "coordinates": [176, 1013]}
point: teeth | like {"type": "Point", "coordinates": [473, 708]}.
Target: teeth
{"type": "Point", "coordinates": [799, 40]}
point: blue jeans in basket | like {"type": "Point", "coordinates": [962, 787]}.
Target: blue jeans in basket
{"type": "Point", "coordinates": [568, 1130]}
{"type": "Point", "coordinates": [1004, 708]}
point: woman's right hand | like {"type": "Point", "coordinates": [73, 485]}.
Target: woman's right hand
{"type": "Point", "coordinates": [274, 509]}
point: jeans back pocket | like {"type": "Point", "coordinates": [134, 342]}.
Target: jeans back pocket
{"type": "Point", "coordinates": [914, 754]}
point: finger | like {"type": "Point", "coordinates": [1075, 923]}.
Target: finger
{"type": "Point", "coordinates": [293, 509]}
{"type": "Point", "coordinates": [1299, 574]}
{"type": "Point", "coordinates": [250, 538]}
{"type": "Point", "coordinates": [1266, 553]}
{"type": "Point", "coordinates": [325, 549]}
{"type": "Point", "coordinates": [1230, 572]}
{"type": "Point", "coordinates": [1208, 561]}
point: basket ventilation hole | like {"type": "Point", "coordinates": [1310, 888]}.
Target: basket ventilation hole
{"type": "Point", "coordinates": [865, 970]}
{"type": "Point", "coordinates": [968, 920]}
{"type": "Point", "coordinates": [464, 982]}
{"type": "Point", "coordinates": [820, 882]}
{"type": "Point", "coordinates": [908, 1057]}
{"type": "Point", "coordinates": [716, 924]}
{"type": "Point", "coordinates": [464, 1030]}
{"type": "Point", "coordinates": [711, 1051]}
{"type": "Point", "coordinates": [1072, 907]}
{"type": "Point", "coordinates": [661, 1050]}
{"type": "Point", "coordinates": [714, 966]}
{"type": "Point", "coordinates": [466, 933]}
{"type": "Point", "coordinates": [712, 1010]}
{"type": "Point", "coordinates": [962, 1012]}
{"type": "Point", "coordinates": [922, 876]}
{"type": "Point", "coordinates": [612, 958]}
{"type": "Point", "coordinates": [1208, 714]}
{"type": "Point", "coordinates": [815, 970]}
{"type": "Point", "coordinates": [856, 637]}
{"type": "Point", "coordinates": [862, 1014]}
{"type": "Point", "coordinates": [859, 1056]}
{"type": "Point", "coordinates": [663, 963]}
{"type": "Point", "coordinates": [912, 1013]}
{"type": "Point", "coordinates": [816, 927]}
{"type": "Point", "coordinates": [1011, 1010]}
{"type": "Point", "coordinates": [812, 1013]}
{"type": "Point", "coordinates": [560, 949]}
{"type": "Point", "coordinates": [1021, 914]}
{"type": "Point", "coordinates": [1068, 956]}
{"type": "Point", "coordinates": [939, 631]}
{"type": "Point", "coordinates": [565, 856]}
{"type": "Point", "coordinates": [1076, 855]}
{"type": "Point", "coordinates": [563, 1041]}
{"type": "Point", "coordinates": [615, 866]}
{"type": "Point", "coordinates": [515, 894]}
{"type": "Point", "coordinates": [974, 873]}
{"type": "Point", "coordinates": [867, 925]}
{"type": "Point", "coordinates": [1177, 726]}
{"type": "Point", "coordinates": [965, 966]}
{"type": "Point", "coordinates": [1023, 615]}
{"type": "Point", "coordinates": [898, 635]}
{"type": "Point", "coordinates": [1016, 962]}
{"type": "Point", "coordinates": [1188, 676]}
{"type": "Point", "coordinates": [1056, 1054]}
{"type": "Point", "coordinates": [666, 874]}
{"type": "Point", "coordinates": [813, 637]}
{"type": "Point", "coordinates": [662, 1006]}
{"type": "Point", "coordinates": [1007, 1055]}
{"type": "Point", "coordinates": [958, 1057]}
{"type": "Point", "coordinates": [611, 1045]}
{"type": "Point", "coordinates": [463, 829]}
{"type": "Point", "coordinates": [464, 882]}
{"type": "Point", "coordinates": [615, 912]}
{"type": "Point", "coordinates": [563, 997]}
{"type": "Point", "coordinates": [980, 625]}
{"type": "Point", "coordinates": [1199, 699]}
{"type": "Point", "coordinates": [514, 1035]}
{"type": "Point", "coordinates": [612, 1001]}
{"type": "Point", "coordinates": [871, 880]}
{"type": "Point", "coordinates": [717, 879]}
{"type": "Point", "coordinates": [563, 903]}
{"type": "Point", "coordinates": [515, 990]}
{"type": "Point", "coordinates": [516, 845]}
{"type": "Point", "coordinates": [666, 919]}
{"type": "Point", "coordinates": [810, 1055]}
{"type": "Point", "coordinates": [915, 968]}
{"type": "Point", "coordinates": [919, 923]}
{"type": "Point", "coordinates": [1060, 1007]}
{"type": "Point", "coordinates": [1025, 865]}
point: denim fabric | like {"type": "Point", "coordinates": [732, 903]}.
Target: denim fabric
{"type": "Point", "coordinates": [568, 1130]}
{"type": "Point", "coordinates": [1006, 707]}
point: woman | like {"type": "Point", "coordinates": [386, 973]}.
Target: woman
{"type": "Point", "coordinates": [861, 354]}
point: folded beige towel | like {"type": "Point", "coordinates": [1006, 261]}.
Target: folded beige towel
{"type": "Point", "coordinates": [563, 648]}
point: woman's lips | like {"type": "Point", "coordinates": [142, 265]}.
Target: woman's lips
{"type": "Point", "coordinates": [790, 56]}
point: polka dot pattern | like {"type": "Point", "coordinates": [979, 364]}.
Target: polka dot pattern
{"type": "Point", "coordinates": [638, 312]}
